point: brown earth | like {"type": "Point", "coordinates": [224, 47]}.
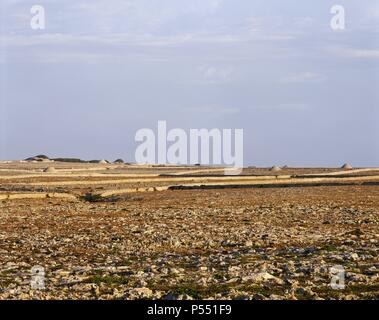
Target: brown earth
{"type": "Point", "coordinates": [250, 243]}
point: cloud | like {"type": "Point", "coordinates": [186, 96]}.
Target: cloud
{"type": "Point", "coordinates": [213, 110]}
{"type": "Point", "coordinates": [304, 77]}
{"type": "Point", "coordinates": [351, 52]}
{"type": "Point", "coordinates": [364, 53]}
{"type": "Point", "coordinates": [212, 74]}
{"type": "Point", "coordinates": [284, 107]}
{"type": "Point", "coordinates": [142, 29]}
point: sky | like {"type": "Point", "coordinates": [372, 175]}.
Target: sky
{"type": "Point", "coordinates": [304, 94]}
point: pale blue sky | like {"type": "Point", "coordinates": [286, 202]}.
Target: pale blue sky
{"type": "Point", "coordinates": [304, 94]}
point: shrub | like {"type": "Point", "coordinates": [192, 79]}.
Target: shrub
{"type": "Point", "coordinates": [73, 160]}
{"type": "Point", "coordinates": [89, 197]}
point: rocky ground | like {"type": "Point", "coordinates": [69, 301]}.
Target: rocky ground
{"type": "Point", "coordinates": [269, 243]}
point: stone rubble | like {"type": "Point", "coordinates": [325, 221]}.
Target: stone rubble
{"type": "Point", "coordinates": [225, 244]}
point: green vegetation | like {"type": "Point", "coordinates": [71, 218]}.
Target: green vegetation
{"type": "Point", "coordinates": [108, 279]}
{"type": "Point", "coordinates": [89, 197]}
{"type": "Point", "coordinates": [201, 292]}
{"type": "Point", "coordinates": [42, 156]}
{"type": "Point", "coordinates": [364, 291]}
{"type": "Point", "coordinates": [330, 248]}
{"type": "Point", "coordinates": [71, 160]}
{"type": "Point", "coordinates": [188, 290]}
{"type": "Point", "coordinates": [219, 275]}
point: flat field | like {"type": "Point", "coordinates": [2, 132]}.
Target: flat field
{"type": "Point", "coordinates": [150, 232]}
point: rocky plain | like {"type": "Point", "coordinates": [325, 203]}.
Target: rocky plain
{"type": "Point", "coordinates": [273, 242]}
